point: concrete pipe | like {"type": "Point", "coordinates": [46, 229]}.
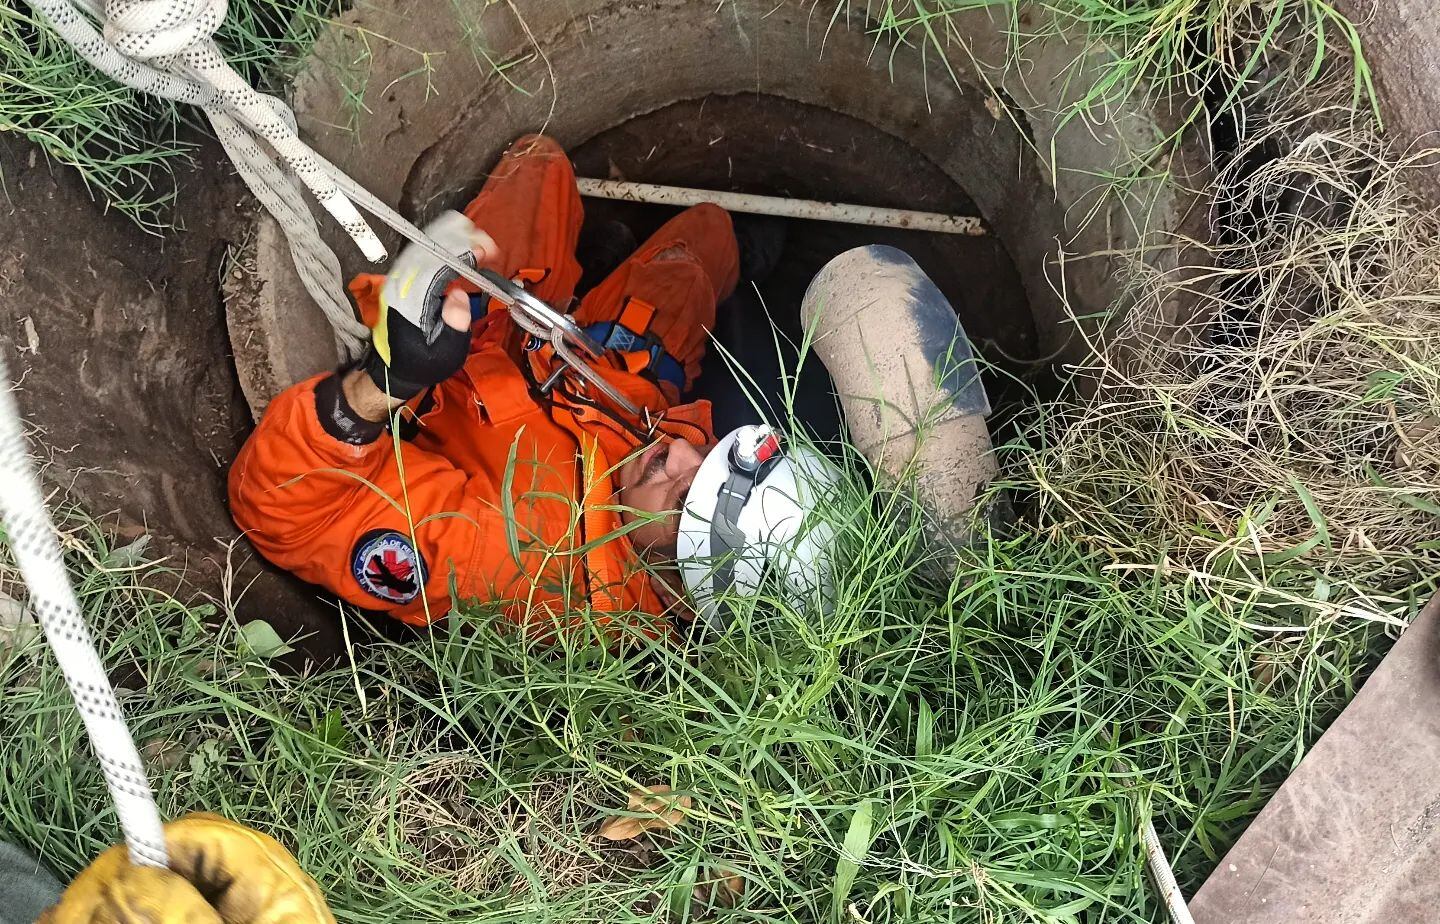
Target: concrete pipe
{"type": "Point", "coordinates": [907, 380]}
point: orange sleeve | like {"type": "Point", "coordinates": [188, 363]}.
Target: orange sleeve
{"type": "Point", "coordinates": [340, 515]}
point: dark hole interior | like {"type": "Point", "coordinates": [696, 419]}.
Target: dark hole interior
{"type": "Point", "coordinates": [765, 144]}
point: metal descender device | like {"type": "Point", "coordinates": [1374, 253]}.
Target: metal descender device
{"type": "Point", "coordinates": [576, 350]}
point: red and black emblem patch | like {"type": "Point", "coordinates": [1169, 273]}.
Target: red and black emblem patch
{"type": "Point", "coordinates": [386, 565]}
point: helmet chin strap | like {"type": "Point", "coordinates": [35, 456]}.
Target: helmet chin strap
{"type": "Point", "coordinates": [749, 464]}
{"type": "Point", "coordinates": [726, 539]}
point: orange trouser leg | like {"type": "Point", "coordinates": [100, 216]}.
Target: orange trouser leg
{"type": "Point", "coordinates": [530, 206]}
{"type": "Point", "coordinates": [684, 270]}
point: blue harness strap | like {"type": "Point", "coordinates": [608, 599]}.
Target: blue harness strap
{"type": "Point", "coordinates": [613, 335]}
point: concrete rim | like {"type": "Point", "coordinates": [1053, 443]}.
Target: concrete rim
{"type": "Point", "coordinates": [423, 140]}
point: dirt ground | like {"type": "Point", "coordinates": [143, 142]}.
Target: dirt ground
{"type": "Point", "coordinates": [117, 338]}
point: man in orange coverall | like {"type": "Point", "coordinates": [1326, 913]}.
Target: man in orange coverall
{"type": "Point", "coordinates": [548, 503]}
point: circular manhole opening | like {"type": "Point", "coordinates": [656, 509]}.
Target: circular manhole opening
{"type": "Point", "coordinates": [761, 99]}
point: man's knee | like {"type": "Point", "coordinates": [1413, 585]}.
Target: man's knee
{"type": "Point", "coordinates": [714, 239]}
{"type": "Point", "coordinates": [703, 233]}
{"type": "Point", "coordinates": [530, 153]}
{"type": "Point", "coordinates": [709, 222]}
{"type": "Point", "coordinates": [535, 145]}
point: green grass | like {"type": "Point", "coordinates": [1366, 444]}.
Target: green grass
{"type": "Point", "coordinates": [1204, 56]}
{"type": "Point", "coordinates": [927, 750]}
{"type": "Point", "coordinates": [127, 146]}
{"type": "Point", "coordinates": [1194, 61]}
{"type": "Point", "coordinates": [982, 747]}
{"type": "Point", "coordinates": [1206, 566]}
{"type": "Point", "coordinates": [1209, 58]}
{"type": "Point", "coordinates": [1228, 49]}
{"type": "Point", "coordinates": [1204, 571]}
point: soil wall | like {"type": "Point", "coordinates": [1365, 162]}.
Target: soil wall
{"type": "Point", "coordinates": [117, 342]}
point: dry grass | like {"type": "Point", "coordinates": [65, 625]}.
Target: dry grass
{"type": "Point", "coordinates": [1296, 420]}
{"type": "Point", "coordinates": [468, 835]}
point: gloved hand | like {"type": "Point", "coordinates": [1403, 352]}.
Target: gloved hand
{"type": "Point", "coordinates": [422, 336]}
{"type": "Point", "coordinates": [220, 873]}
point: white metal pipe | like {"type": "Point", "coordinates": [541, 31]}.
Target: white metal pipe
{"type": "Point", "coordinates": [808, 209]}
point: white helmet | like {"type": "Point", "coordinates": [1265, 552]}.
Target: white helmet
{"type": "Point", "coordinates": [747, 513]}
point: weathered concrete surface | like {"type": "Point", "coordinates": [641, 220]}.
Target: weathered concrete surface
{"type": "Point", "coordinates": [268, 347]}
{"type": "Point", "coordinates": [430, 113]}
{"type": "Point", "coordinates": [1353, 835]}
{"type": "Point", "coordinates": [1401, 38]}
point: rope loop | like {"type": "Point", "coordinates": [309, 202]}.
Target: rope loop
{"type": "Point", "coordinates": [147, 29]}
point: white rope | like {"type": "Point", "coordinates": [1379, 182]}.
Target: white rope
{"type": "Point", "coordinates": [1159, 865]}
{"type": "Point", "coordinates": [164, 48]}
{"type": "Point", "coordinates": [1164, 876]}
{"type": "Point", "coordinates": [32, 539]}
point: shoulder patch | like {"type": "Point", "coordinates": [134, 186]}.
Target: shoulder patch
{"type": "Point", "coordinates": [386, 565]}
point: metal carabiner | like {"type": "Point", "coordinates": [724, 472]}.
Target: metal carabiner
{"type": "Point", "coordinates": [541, 320]}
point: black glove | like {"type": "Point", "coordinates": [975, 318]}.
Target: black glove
{"type": "Point", "coordinates": [419, 357]}
{"type": "Point", "coordinates": [415, 365]}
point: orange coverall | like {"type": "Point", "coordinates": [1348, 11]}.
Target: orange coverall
{"type": "Point", "coordinates": [510, 493]}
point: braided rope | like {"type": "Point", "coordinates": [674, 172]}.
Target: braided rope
{"type": "Point", "coordinates": [164, 48]}
{"type": "Point", "coordinates": [32, 539]}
